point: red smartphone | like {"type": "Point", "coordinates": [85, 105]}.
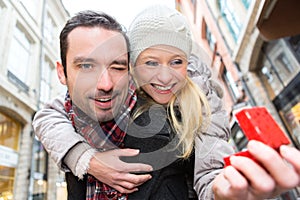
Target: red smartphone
{"type": "Point", "coordinates": [258, 124]}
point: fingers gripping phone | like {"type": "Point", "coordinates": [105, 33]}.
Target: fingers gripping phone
{"type": "Point", "coordinates": [258, 124]}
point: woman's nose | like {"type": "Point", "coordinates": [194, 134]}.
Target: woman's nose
{"type": "Point", "coordinates": [165, 74]}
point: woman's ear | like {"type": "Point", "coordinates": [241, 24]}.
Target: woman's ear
{"type": "Point", "coordinates": [60, 73]}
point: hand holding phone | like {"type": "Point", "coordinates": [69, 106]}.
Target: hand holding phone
{"type": "Point", "coordinates": [258, 124]}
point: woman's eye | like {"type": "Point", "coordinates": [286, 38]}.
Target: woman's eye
{"type": "Point", "coordinates": [176, 62]}
{"type": "Point", "coordinates": [152, 63]}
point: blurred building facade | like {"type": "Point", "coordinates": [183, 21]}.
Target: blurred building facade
{"type": "Point", "coordinates": [255, 70]}
{"type": "Point", "coordinates": [29, 37]}
{"type": "Point", "coordinates": [254, 47]}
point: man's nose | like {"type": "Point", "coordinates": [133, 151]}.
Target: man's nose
{"type": "Point", "coordinates": [105, 82]}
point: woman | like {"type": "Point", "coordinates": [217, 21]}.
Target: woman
{"type": "Point", "coordinates": [160, 47]}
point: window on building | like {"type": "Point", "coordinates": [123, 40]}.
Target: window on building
{"type": "Point", "coordinates": [46, 77]}
{"type": "Point", "coordinates": [294, 43]}
{"type": "Point", "coordinates": [9, 147]}
{"type": "Point", "coordinates": [232, 20]}
{"type": "Point", "coordinates": [1, 13]}
{"type": "Point", "coordinates": [210, 38]}
{"type": "Point", "coordinates": [39, 169]}
{"type": "Point", "coordinates": [40, 158]}
{"type": "Point", "coordinates": [271, 80]}
{"type": "Point", "coordinates": [49, 29]}
{"type": "Point", "coordinates": [288, 105]}
{"type": "Point", "coordinates": [285, 68]}
{"type": "Point", "coordinates": [246, 3]}
{"type": "Point", "coordinates": [2, 6]}
{"type": "Point", "coordinates": [19, 58]}
{"type": "Point", "coordinates": [231, 84]}
{"type": "Point", "coordinates": [31, 6]}
{"type": "Point", "coordinates": [278, 66]}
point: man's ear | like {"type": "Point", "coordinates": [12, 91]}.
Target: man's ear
{"type": "Point", "coordinates": [60, 73]}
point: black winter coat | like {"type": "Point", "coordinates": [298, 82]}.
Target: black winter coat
{"type": "Point", "coordinates": [152, 134]}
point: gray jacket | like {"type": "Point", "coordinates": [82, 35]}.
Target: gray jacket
{"type": "Point", "coordinates": [56, 133]}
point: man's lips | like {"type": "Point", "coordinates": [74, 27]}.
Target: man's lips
{"type": "Point", "coordinates": [103, 99]}
{"type": "Point", "coordinates": [104, 102]}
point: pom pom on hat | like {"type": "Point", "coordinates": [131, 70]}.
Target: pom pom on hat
{"type": "Point", "coordinates": [159, 25]}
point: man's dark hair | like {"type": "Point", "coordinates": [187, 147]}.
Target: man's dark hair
{"type": "Point", "coordinates": [88, 18]}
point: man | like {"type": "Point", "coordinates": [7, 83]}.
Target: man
{"type": "Point", "coordinates": [94, 66]}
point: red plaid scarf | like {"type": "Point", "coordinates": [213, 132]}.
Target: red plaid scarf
{"type": "Point", "coordinates": [102, 136]}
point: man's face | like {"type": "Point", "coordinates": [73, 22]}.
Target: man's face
{"type": "Point", "coordinates": [97, 71]}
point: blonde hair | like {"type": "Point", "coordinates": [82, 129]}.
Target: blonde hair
{"type": "Point", "coordinates": [194, 114]}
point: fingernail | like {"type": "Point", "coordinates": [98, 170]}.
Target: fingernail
{"type": "Point", "coordinates": [253, 144]}
{"type": "Point", "coordinates": [232, 160]}
{"type": "Point", "coordinates": [284, 150]}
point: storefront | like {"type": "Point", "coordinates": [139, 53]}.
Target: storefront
{"type": "Point", "coordinates": [9, 147]}
{"type": "Point", "coordinates": [288, 105]}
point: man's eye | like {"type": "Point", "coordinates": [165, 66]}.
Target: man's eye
{"type": "Point", "coordinates": [152, 63]}
{"type": "Point", "coordinates": [176, 62]}
{"type": "Point", "coordinates": [120, 68]}
{"type": "Point", "coordinates": [86, 66]}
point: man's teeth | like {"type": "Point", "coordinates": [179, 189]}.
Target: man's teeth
{"type": "Point", "coordinates": [103, 99]}
{"type": "Point", "coordinates": [162, 87]}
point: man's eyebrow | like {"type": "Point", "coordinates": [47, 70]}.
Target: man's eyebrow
{"type": "Point", "coordinates": [83, 59]}
{"type": "Point", "coordinates": [120, 62]}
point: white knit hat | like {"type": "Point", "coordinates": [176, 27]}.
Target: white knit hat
{"type": "Point", "coordinates": [159, 25]}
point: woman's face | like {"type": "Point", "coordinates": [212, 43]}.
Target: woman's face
{"type": "Point", "coordinates": [160, 71]}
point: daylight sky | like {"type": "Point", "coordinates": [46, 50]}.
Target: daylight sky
{"type": "Point", "coordinates": [123, 10]}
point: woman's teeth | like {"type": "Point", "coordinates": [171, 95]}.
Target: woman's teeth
{"type": "Point", "coordinates": [162, 87]}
